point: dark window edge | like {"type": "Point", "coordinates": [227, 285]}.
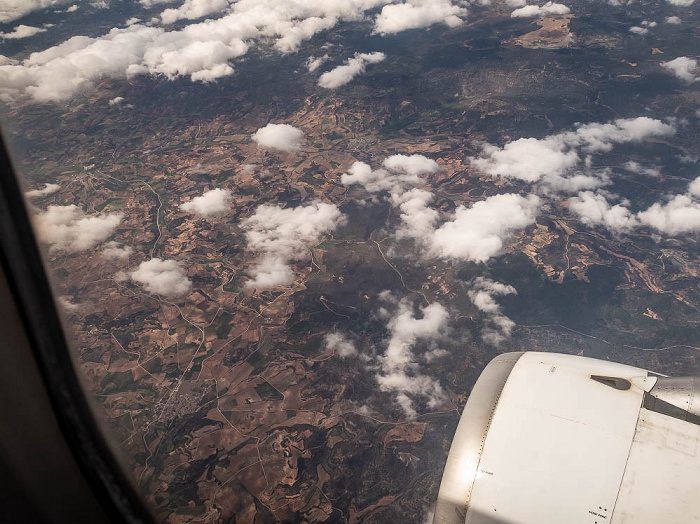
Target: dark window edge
{"type": "Point", "coordinates": [22, 263]}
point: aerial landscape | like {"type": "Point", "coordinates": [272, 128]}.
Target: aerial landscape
{"type": "Point", "coordinates": [287, 236]}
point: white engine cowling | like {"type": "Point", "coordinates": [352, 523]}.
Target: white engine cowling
{"type": "Point", "coordinates": [547, 438]}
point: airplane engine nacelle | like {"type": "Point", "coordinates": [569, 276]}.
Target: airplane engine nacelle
{"type": "Point", "coordinates": [547, 438]}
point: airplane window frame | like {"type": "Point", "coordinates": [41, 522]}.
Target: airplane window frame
{"type": "Point", "coordinates": [30, 290]}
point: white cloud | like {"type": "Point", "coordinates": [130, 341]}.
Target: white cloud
{"type": "Point", "coordinates": [435, 354]}
{"type": "Point", "coordinates": [681, 214]}
{"type": "Point", "coordinates": [528, 159]}
{"type": "Point", "coordinates": [478, 232]}
{"type": "Point", "coordinates": [594, 209]}
{"type": "Point", "coordinates": [72, 9]}
{"type": "Point", "coordinates": [373, 180]}
{"type": "Point", "coordinates": [638, 30]}
{"type": "Point", "coordinates": [682, 67]}
{"type": "Point", "coordinates": [636, 167]}
{"type": "Point", "coordinates": [681, 3]}
{"type": "Point", "coordinates": [22, 31]}
{"type": "Point", "coordinates": [66, 303]}
{"type": "Point", "coordinates": [694, 188]}
{"type": "Point", "coordinates": [48, 189]}
{"type": "Point", "coordinates": [211, 204]}
{"type": "Point", "coordinates": [415, 14]}
{"type": "Point", "coordinates": [313, 63]}
{"type": "Point", "coordinates": [281, 235]}
{"type": "Point", "coordinates": [677, 215]}
{"type": "Point", "coordinates": [282, 137]}
{"type": "Point", "coordinates": [673, 20]}
{"type": "Point", "coordinates": [248, 169]}
{"type": "Point", "coordinates": [211, 74]}
{"type": "Point", "coordinates": [399, 373]}
{"type": "Point", "coordinates": [68, 228]}
{"type": "Point", "coordinates": [482, 294]}
{"type": "Point", "coordinates": [201, 51]}
{"type": "Point", "coordinates": [413, 165]}
{"type": "Point", "coordinates": [152, 3]}
{"type": "Point", "coordinates": [13, 9]}
{"type": "Point", "coordinates": [516, 3]}
{"type": "Point", "coordinates": [343, 74]}
{"type": "Point", "coordinates": [113, 251]}
{"type": "Point", "coordinates": [530, 11]}
{"type": "Point", "coordinates": [162, 277]}
{"type": "Point", "coordinates": [555, 159]}
{"type": "Point", "coordinates": [418, 219]}
{"type": "Point", "coordinates": [116, 100]}
{"type": "Point", "coordinates": [397, 173]}
{"type": "Point", "coordinates": [339, 343]}
{"type": "Point", "coordinates": [193, 9]}
{"type": "Point", "coordinates": [596, 138]}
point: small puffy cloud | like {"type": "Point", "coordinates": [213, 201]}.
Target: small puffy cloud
{"type": "Point", "coordinates": [397, 173]}
{"type": "Point", "coordinates": [22, 31]}
{"type": "Point", "coordinates": [211, 74]}
{"type": "Point", "coordinates": [116, 100]}
{"type": "Point", "coordinates": [69, 229]}
{"type": "Point", "coordinates": [516, 3]}
{"type": "Point", "coordinates": [593, 209]}
{"type": "Point", "coordinates": [48, 189]}
{"type": "Point", "coordinates": [415, 14]}
{"type": "Point", "coordinates": [636, 167]}
{"type": "Point", "coordinates": [556, 159]}
{"type": "Point", "coordinates": [478, 232]}
{"type": "Point", "coordinates": [248, 169]}
{"type": "Point", "coordinates": [113, 251]}
{"type": "Point", "coordinates": [66, 303]}
{"type": "Point", "coordinates": [313, 63]}
{"type": "Point", "coordinates": [638, 30]}
{"type": "Point", "coordinates": [677, 215]}
{"type": "Point", "coordinates": [418, 218]}
{"type": "Point", "coordinates": [374, 180]}
{"type": "Point", "coordinates": [528, 159]}
{"type": "Point", "coordinates": [483, 293]}
{"type": "Point", "coordinates": [281, 137]}
{"type": "Point", "coordinates": [152, 3]}
{"type": "Point", "coordinates": [281, 235]}
{"type": "Point", "coordinates": [682, 67]}
{"type": "Point", "coordinates": [681, 3]}
{"type": "Point", "coordinates": [343, 74]}
{"type": "Point", "coordinates": [72, 9]}
{"type": "Point", "coordinates": [694, 188]}
{"type": "Point", "coordinates": [339, 343]}
{"type": "Point", "coordinates": [531, 11]}
{"type": "Point", "coordinates": [596, 138]}
{"type": "Point", "coordinates": [162, 277]}
{"type": "Point", "coordinates": [413, 165]}
{"type": "Point", "coordinates": [674, 20]}
{"type": "Point", "coordinates": [681, 214]}
{"type": "Point", "coordinates": [211, 204]}
{"type": "Point", "coordinates": [398, 364]}
{"type": "Point", "coordinates": [193, 9]}
{"type": "Point", "coordinates": [13, 9]}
